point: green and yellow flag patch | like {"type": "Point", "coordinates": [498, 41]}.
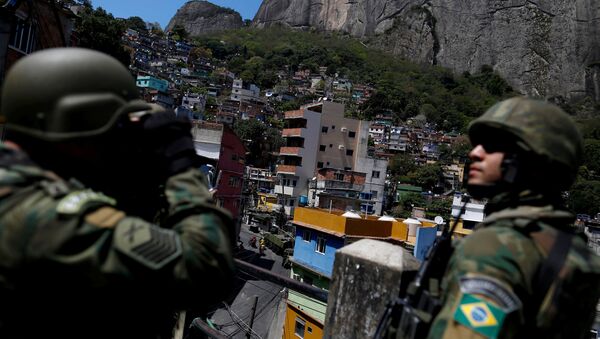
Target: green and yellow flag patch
{"type": "Point", "coordinates": [480, 316]}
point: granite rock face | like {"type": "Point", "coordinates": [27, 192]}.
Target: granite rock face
{"type": "Point", "coordinates": [545, 48]}
{"type": "Point", "coordinates": [202, 17]}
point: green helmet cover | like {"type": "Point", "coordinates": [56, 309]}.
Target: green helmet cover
{"type": "Point", "coordinates": [64, 93]}
{"type": "Point", "coordinates": [537, 128]}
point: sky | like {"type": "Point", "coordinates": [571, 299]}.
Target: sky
{"type": "Point", "coordinates": [162, 11]}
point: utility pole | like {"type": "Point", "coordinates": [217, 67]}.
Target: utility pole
{"type": "Point", "coordinates": [252, 317]}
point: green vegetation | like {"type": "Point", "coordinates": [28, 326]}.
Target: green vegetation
{"type": "Point", "coordinates": [450, 101]}
{"type": "Point", "coordinates": [99, 30]}
{"type": "Point", "coordinates": [260, 139]}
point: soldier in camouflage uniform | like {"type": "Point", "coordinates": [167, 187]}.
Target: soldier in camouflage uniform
{"type": "Point", "coordinates": [79, 255]}
{"type": "Point", "coordinates": [523, 272]}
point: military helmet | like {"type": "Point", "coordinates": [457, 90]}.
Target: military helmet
{"type": "Point", "coordinates": [63, 93]}
{"type": "Point", "coordinates": [538, 128]}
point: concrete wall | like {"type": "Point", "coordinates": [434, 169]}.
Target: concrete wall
{"type": "Point", "coordinates": [338, 130]}
{"type": "Point", "coordinates": [367, 274]}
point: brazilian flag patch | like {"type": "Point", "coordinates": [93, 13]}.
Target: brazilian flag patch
{"type": "Point", "coordinates": [479, 315]}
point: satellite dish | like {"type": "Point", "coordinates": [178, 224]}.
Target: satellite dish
{"type": "Point", "coordinates": [438, 220]}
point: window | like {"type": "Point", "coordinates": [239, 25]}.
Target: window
{"type": "Point", "coordinates": [347, 168]}
{"type": "Point", "coordinates": [23, 36]}
{"type": "Point", "coordinates": [320, 245]}
{"type": "Point", "coordinates": [299, 328]}
{"type": "Point", "coordinates": [292, 201]}
{"type": "Point", "coordinates": [320, 164]}
{"type": "Point", "coordinates": [306, 235]}
{"type": "Point", "coordinates": [338, 176]}
{"type": "Point", "coordinates": [351, 134]}
{"type": "Point", "coordinates": [296, 276]}
{"type": "Point", "coordinates": [324, 129]}
{"type": "Point", "coordinates": [309, 329]}
{"type": "Point", "coordinates": [374, 194]}
{"type": "Point", "coordinates": [375, 174]}
{"type": "Point", "coordinates": [349, 152]}
{"type": "Point", "coordinates": [308, 280]}
{"type": "Point", "coordinates": [330, 145]}
{"type": "Point", "coordinates": [322, 148]}
{"type": "Point", "coordinates": [294, 182]}
{"type": "Point", "coordinates": [468, 224]}
{"type": "Point", "coordinates": [332, 127]}
{"type": "Point", "coordinates": [234, 181]}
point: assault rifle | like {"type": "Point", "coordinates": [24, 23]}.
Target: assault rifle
{"type": "Point", "coordinates": [410, 315]}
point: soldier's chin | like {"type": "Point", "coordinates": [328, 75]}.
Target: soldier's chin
{"type": "Point", "coordinates": [483, 191]}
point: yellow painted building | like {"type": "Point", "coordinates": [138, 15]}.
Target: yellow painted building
{"type": "Point", "coordinates": [300, 325]}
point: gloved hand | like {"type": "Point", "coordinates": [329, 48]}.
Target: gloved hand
{"type": "Point", "coordinates": [171, 139]}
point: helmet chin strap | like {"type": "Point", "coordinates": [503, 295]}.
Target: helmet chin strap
{"type": "Point", "coordinates": [509, 180]}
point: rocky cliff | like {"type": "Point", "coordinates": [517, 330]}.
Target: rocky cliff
{"type": "Point", "coordinates": [546, 48]}
{"type": "Point", "coordinates": [202, 17]}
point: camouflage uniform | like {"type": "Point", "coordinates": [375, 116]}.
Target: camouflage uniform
{"type": "Point", "coordinates": [523, 272]}
{"type": "Point", "coordinates": [73, 265]}
{"type": "Point", "coordinates": [497, 267]}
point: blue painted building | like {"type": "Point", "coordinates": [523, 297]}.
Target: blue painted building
{"type": "Point", "coordinates": [315, 250]}
{"type": "Point", "coordinates": [152, 83]}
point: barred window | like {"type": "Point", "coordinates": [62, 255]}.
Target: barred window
{"type": "Point", "coordinates": [23, 36]}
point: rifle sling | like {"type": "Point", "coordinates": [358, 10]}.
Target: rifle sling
{"type": "Point", "coordinates": [549, 270]}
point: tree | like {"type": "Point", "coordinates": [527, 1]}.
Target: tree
{"type": "Point", "coordinates": [260, 139]}
{"type": "Point", "coordinates": [179, 32]}
{"type": "Point", "coordinates": [136, 23]}
{"type": "Point", "coordinates": [584, 197]}
{"type": "Point", "coordinates": [591, 155]}
{"type": "Point", "coordinates": [402, 164]}
{"type": "Point", "coordinates": [427, 176]}
{"type": "Point", "coordinates": [406, 202]}
{"type": "Point", "coordinates": [99, 30]}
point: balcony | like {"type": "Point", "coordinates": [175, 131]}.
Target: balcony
{"type": "Point", "coordinates": [291, 132]}
{"type": "Point", "coordinates": [294, 114]}
{"type": "Point", "coordinates": [337, 185]}
{"type": "Point", "coordinates": [287, 169]}
{"type": "Point", "coordinates": [285, 190]}
{"type": "Point", "coordinates": [297, 151]}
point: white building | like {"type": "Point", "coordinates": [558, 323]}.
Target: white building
{"type": "Point", "coordinates": [319, 136]}
{"type": "Point", "coordinates": [244, 92]}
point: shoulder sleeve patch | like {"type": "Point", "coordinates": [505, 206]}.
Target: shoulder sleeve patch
{"type": "Point", "coordinates": [105, 217]}
{"type": "Point", "coordinates": [150, 245]}
{"type": "Point", "coordinates": [492, 289]}
{"type": "Point", "coordinates": [480, 316]}
{"type": "Point", "coordinates": [76, 202]}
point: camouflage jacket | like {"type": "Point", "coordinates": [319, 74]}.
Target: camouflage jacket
{"type": "Point", "coordinates": [73, 265]}
{"type": "Point", "coordinates": [492, 285]}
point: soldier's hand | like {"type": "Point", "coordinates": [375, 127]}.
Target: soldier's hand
{"type": "Point", "coordinates": [171, 139]}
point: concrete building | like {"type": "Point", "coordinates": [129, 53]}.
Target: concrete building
{"type": "Point", "coordinates": [473, 215]}
{"type": "Point", "coordinates": [336, 189]}
{"type": "Point", "coordinates": [319, 136]}
{"type": "Point", "coordinates": [298, 160]}
{"type": "Point", "coordinates": [194, 101]}
{"type": "Point", "coordinates": [244, 92]}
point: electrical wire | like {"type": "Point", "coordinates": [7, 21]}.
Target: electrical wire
{"type": "Point", "coordinates": [246, 326]}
